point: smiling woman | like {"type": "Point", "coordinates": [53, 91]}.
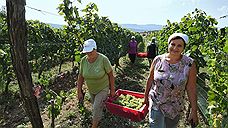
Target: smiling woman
{"type": "Point", "coordinates": [170, 75]}
{"type": "Point", "coordinates": [177, 43]}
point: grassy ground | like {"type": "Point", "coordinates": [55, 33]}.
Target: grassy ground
{"type": "Point", "coordinates": [128, 76]}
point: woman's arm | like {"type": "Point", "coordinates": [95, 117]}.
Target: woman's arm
{"type": "Point", "coordinates": [111, 83]}
{"type": "Point", "coordinates": [192, 95]}
{"type": "Point", "coordinates": [150, 79]}
{"type": "Point", "coordinates": [80, 82]}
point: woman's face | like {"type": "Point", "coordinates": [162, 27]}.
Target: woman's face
{"type": "Point", "coordinates": [90, 54]}
{"type": "Point", "coordinates": [176, 47]}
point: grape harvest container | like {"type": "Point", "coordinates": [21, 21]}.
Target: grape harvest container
{"type": "Point", "coordinates": [141, 54]}
{"type": "Point", "coordinates": [123, 111]}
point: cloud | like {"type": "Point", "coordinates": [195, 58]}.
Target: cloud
{"type": "Point", "coordinates": [189, 2]}
{"type": "Point", "coordinates": [223, 9]}
{"type": "Point", "coordinates": [195, 2]}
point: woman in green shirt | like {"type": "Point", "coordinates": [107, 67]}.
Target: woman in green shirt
{"type": "Point", "coordinates": [96, 71]}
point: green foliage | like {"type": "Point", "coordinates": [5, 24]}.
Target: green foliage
{"type": "Point", "coordinates": [46, 46]}
{"type": "Point", "coordinates": [129, 101]}
{"type": "Point", "coordinates": [6, 67]}
{"type": "Point", "coordinates": [84, 115]}
{"type": "Point", "coordinates": [111, 39]}
{"type": "Point", "coordinates": [218, 70]}
{"type": "Point", "coordinates": [44, 80]}
{"type": "Point", "coordinates": [2, 53]}
{"type": "Point", "coordinates": [56, 102]}
{"type": "Point", "coordinates": [226, 47]}
{"type": "Point", "coordinates": [71, 115]}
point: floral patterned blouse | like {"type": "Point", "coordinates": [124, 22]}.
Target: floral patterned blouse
{"type": "Point", "coordinates": [168, 89]}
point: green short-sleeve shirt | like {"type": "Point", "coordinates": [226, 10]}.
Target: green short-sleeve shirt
{"type": "Point", "coordinates": [95, 74]}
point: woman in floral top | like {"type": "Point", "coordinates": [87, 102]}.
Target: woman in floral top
{"type": "Point", "coordinates": [170, 74]}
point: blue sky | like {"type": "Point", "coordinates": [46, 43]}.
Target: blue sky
{"type": "Point", "coordinates": [132, 11]}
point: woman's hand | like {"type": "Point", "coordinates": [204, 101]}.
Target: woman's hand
{"type": "Point", "coordinates": [111, 83]}
{"type": "Point", "coordinates": [80, 96]}
{"type": "Point", "coordinates": [79, 85]}
{"type": "Point", "coordinates": [146, 100]}
{"type": "Point", "coordinates": [192, 94]}
{"type": "Point", "coordinates": [193, 118]}
{"type": "Point", "coordinates": [112, 93]}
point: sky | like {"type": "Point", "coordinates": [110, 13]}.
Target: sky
{"type": "Point", "coordinates": [131, 11]}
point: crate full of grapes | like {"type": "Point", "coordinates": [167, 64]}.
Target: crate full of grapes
{"type": "Point", "coordinates": [128, 104]}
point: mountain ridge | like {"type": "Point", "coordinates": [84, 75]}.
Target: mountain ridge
{"type": "Point", "coordinates": [133, 27]}
{"type": "Point", "coordinates": [142, 28]}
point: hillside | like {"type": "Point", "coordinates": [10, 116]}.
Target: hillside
{"type": "Point", "coordinates": [55, 25]}
{"type": "Point", "coordinates": [142, 28]}
{"type": "Point", "coordinates": [133, 27]}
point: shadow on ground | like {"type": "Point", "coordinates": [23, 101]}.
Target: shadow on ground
{"type": "Point", "coordinates": [132, 76]}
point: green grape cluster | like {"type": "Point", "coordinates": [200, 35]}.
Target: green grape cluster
{"type": "Point", "coordinates": [129, 101]}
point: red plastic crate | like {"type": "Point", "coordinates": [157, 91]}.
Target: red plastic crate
{"type": "Point", "coordinates": [123, 111]}
{"type": "Point", "coordinates": [142, 54]}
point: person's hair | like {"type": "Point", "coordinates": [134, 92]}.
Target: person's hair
{"type": "Point", "coordinates": [153, 40]}
{"type": "Point", "coordinates": [178, 37]}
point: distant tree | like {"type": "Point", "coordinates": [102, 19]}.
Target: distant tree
{"type": "Point", "coordinates": [18, 39]}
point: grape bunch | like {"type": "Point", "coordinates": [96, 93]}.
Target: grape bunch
{"type": "Point", "coordinates": [129, 101]}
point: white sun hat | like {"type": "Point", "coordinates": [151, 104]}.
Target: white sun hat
{"type": "Point", "coordinates": [183, 36]}
{"type": "Point", "coordinates": [153, 38]}
{"type": "Point", "coordinates": [89, 46]}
